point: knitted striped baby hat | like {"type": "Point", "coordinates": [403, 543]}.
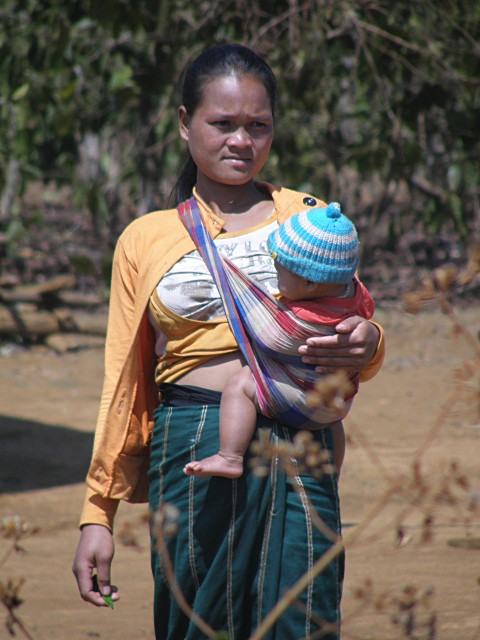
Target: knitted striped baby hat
{"type": "Point", "coordinates": [319, 244]}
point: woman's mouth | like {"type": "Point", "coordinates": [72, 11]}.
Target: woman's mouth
{"type": "Point", "coordinates": [237, 160]}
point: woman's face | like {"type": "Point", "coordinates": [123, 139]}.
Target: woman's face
{"type": "Point", "coordinates": [231, 131]}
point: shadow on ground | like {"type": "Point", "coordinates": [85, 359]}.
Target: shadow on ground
{"type": "Point", "coordinates": [34, 455]}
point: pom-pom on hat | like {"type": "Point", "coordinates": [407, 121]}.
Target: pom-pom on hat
{"type": "Point", "coordinates": [319, 244]}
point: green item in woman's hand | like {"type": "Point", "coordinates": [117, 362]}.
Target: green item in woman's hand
{"type": "Point", "coordinates": [107, 599]}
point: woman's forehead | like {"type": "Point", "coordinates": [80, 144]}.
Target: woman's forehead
{"type": "Point", "coordinates": [232, 88]}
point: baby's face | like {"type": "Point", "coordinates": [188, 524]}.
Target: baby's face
{"type": "Point", "coordinates": [292, 286]}
{"type": "Point", "coordinates": [296, 287]}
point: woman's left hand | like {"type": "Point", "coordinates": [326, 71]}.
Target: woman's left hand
{"type": "Point", "coordinates": [350, 349]}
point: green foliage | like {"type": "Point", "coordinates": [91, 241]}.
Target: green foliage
{"type": "Point", "coordinates": [377, 99]}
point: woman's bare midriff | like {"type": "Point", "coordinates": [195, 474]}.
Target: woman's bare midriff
{"type": "Point", "coordinates": [215, 373]}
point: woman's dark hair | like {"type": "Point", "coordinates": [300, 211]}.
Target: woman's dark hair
{"type": "Point", "coordinates": [216, 62]}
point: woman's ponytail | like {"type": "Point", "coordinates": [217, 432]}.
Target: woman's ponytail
{"type": "Point", "coordinates": [183, 188]}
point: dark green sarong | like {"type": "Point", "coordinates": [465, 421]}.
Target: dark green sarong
{"type": "Point", "coordinates": [241, 543]}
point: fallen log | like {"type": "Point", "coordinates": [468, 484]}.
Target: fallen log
{"type": "Point", "coordinates": [63, 342]}
{"type": "Point", "coordinates": [51, 298]}
{"type": "Point", "coordinates": [84, 322]}
{"type": "Point", "coordinates": [30, 322]}
{"type": "Point", "coordinates": [24, 322]}
{"type": "Point", "coordinates": [37, 293]}
{"type": "Point", "coordinates": [79, 299]}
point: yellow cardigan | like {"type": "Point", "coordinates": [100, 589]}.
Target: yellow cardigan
{"type": "Point", "coordinates": [145, 251]}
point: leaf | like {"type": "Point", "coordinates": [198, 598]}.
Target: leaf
{"type": "Point", "coordinates": [82, 264]}
{"type": "Point", "coordinates": [121, 78]}
{"type": "Point", "coordinates": [108, 600]}
{"type": "Point", "coordinates": [68, 91]}
{"type": "Point", "coordinates": [21, 92]}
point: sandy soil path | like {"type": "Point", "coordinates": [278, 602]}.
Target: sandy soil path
{"type": "Point", "coordinates": [48, 406]}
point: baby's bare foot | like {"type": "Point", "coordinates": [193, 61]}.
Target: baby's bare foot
{"type": "Point", "coordinates": [220, 464]}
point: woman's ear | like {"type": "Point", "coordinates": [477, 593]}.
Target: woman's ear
{"type": "Point", "coordinates": [183, 122]}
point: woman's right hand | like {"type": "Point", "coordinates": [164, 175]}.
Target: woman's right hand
{"type": "Point", "coordinates": [351, 348]}
{"type": "Point", "coordinates": [95, 551]}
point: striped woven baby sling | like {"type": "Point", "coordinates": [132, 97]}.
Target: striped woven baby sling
{"type": "Point", "coordinates": [267, 332]}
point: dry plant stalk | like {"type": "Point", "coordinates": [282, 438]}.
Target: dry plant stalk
{"type": "Point", "coordinates": [164, 525]}
{"type": "Point", "coordinates": [13, 528]}
{"type": "Point", "coordinates": [411, 611]}
{"type": "Point", "coordinates": [331, 391]}
{"type": "Point", "coordinates": [438, 290]}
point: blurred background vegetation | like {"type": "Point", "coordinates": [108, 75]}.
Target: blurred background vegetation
{"type": "Point", "coordinates": [379, 109]}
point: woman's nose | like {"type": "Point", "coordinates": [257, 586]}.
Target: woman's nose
{"type": "Point", "coordinates": [240, 138]}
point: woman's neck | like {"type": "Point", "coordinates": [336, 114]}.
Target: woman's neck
{"type": "Point", "coordinates": [232, 200]}
{"type": "Point", "coordinates": [240, 208]}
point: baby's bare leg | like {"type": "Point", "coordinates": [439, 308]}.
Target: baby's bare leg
{"type": "Point", "coordinates": [238, 416]}
{"type": "Point", "coordinates": [338, 433]}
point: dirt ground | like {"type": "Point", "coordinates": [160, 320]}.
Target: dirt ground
{"type": "Point", "coordinates": [48, 406]}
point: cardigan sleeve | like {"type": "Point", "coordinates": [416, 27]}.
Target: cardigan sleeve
{"type": "Point", "coordinates": [375, 364]}
{"type": "Point", "coordinates": [118, 455]}
{"type": "Point", "coordinates": [98, 510]}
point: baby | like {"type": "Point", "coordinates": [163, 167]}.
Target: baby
{"type": "Point", "coordinates": [316, 257]}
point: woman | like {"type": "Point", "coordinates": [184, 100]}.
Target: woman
{"type": "Point", "coordinates": [240, 543]}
